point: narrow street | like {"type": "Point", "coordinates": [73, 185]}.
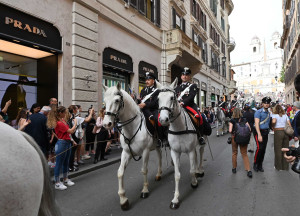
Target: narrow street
{"type": "Point", "coordinates": [219, 193]}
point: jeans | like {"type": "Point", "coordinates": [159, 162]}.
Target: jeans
{"type": "Point", "coordinates": [62, 158]}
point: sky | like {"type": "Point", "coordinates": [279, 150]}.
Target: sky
{"type": "Point", "coordinates": [253, 17]}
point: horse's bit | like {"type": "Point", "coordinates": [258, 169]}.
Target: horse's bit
{"type": "Point", "coordinates": [170, 110]}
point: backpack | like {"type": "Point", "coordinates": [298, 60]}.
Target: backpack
{"type": "Point", "coordinates": [242, 133]}
{"type": "Point", "coordinates": [206, 126]}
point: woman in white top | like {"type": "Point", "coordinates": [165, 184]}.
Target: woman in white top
{"type": "Point", "coordinates": [281, 140]}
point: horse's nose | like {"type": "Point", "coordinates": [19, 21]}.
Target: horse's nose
{"type": "Point", "coordinates": [109, 124]}
{"type": "Point", "coordinates": [167, 119]}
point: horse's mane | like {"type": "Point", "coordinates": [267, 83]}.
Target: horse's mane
{"type": "Point", "coordinates": [131, 105]}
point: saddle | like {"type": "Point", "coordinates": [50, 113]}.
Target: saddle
{"type": "Point", "coordinates": [196, 121]}
{"type": "Point", "coordinates": [150, 124]}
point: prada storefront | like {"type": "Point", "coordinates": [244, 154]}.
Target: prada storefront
{"type": "Point", "coordinates": [145, 67]}
{"type": "Point", "coordinates": [117, 67]}
{"type": "Point", "coordinates": [28, 60]}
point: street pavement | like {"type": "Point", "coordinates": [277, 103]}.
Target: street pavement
{"type": "Point", "coordinates": [220, 192]}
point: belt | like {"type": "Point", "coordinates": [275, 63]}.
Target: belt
{"type": "Point", "coordinates": [278, 129]}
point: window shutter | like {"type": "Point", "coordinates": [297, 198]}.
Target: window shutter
{"type": "Point", "coordinates": [142, 6]}
{"type": "Point", "coordinates": [205, 53]}
{"type": "Point", "coordinates": [183, 25]}
{"type": "Point", "coordinates": [193, 34]}
{"type": "Point", "coordinates": [191, 6]}
{"type": "Point", "coordinates": [197, 12]}
{"type": "Point", "coordinates": [133, 3]}
{"type": "Point", "coordinates": [173, 18]}
{"type": "Point", "coordinates": [157, 5]}
{"type": "Point", "coordinates": [200, 42]}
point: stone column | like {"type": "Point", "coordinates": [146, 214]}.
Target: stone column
{"type": "Point", "coordinates": [84, 57]}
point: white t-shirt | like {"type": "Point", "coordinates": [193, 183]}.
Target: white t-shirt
{"type": "Point", "coordinates": [79, 131]}
{"type": "Point", "coordinates": [280, 121]}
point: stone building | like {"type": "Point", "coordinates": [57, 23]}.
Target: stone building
{"type": "Point", "coordinates": [260, 75]}
{"type": "Point", "coordinates": [290, 43]}
{"type": "Point", "coordinates": [68, 48]}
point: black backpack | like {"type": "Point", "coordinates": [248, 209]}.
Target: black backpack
{"type": "Point", "coordinates": [242, 133]}
{"type": "Point", "coordinates": [206, 126]}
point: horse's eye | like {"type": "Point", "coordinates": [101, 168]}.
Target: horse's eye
{"type": "Point", "coordinates": [172, 98]}
{"type": "Point", "coordinates": [117, 101]}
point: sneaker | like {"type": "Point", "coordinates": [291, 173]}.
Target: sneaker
{"type": "Point", "coordinates": [75, 163]}
{"type": "Point", "coordinates": [80, 162]}
{"type": "Point", "coordinates": [234, 170]}
{"type": "Point", "coordinates": [249, 174]}
{"type": "Point", "coordinates": [60, 186]}
{"type": "Point", "coordinates": [85, 157]}
{"type": "Point", "coordinates": [69, 183]}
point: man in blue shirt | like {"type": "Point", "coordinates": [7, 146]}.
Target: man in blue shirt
{"type": "Point", "coordinates": [262, 122]}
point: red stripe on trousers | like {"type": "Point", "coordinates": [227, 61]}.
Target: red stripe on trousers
{"type": "Point", "coordinates": [257, 148]}
{"type": "Point", "coordinates": [158, 123]}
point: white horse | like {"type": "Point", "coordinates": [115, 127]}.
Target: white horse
{"type": "Point", "coordinates": [182, 136]}
{"type": "Point", "coordinates": [135, 138]}
{"type": "Point", "coordinates": [24, 176]}
{"type": "Point", "coordinates": [220, 117]}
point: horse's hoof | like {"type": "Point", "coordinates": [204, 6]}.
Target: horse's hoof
{"type": "Point", "coordinates": [144, 195]}
{"type": "Point", "coordinates": [199, 175]}
{"type": "Point", "coordinates": [174, 205]}
{"type": "Point", "coordinates": [194, 186]}
{"type": "Point", "coordinates": [125, 206]}
{"type": "Point", "coordinates": [157, 178]}
{"type": "Point", "coordinates": [217, 135]}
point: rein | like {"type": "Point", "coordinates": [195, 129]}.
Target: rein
{"type": "Point", "coordinates": [170, 110]}
{"type": "Point", "coordinates": [121, 124]}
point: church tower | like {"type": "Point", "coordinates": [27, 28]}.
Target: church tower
{"type": "Point", "coordinates": [255, 45]}
{"type": "Point", "coordinates": [275, 41]}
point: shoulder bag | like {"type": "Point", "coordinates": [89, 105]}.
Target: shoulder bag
{"type": "Point", "coordinates": [288, 130]}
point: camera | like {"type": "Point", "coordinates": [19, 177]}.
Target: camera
{"type": "Point", "coordinates": [229, 140]}
{"type": "Point", "coordinates": [296, 153]}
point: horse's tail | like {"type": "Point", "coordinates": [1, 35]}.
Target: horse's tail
{"type": "Point", "coordinates": [48, 205]}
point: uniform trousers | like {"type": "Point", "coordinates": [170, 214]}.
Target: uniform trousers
{"type": "Point", "coordinates": [260, 147]}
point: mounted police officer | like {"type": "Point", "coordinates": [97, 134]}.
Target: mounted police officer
{"type": "Point", "coordinates": [149, 105]}
{"type": "Point", "coordinates": [222, 104]}
{"type": "Point", "coordinates": [186, 93]}
{"type": "Point", "coordinates": [234, 102]}
{"type": "Point", "coordinates": [262, 122]}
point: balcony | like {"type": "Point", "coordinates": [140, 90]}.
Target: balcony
{"type": "Point", "coordinates": [231, 44]}
{"type": "Point", "coordinates": [232, 86]}
{"type": "Point", "coordinates": [178, 42]}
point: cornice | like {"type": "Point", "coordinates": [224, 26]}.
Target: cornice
{"type": "Point", "coordinates": [179, 5]}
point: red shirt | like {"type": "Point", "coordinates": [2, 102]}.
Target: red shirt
{"type": "Point", "coordinates": [61, 130]}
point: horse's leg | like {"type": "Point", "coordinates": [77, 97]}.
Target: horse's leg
{"type": "Point", "coordinates": [217, 127]}
{"type": "Point", "coordinates": [176, 160]}
{"type": "Point", "coordinates": [201, 170]}
{"type": "Point", "coordinates": [145, 191]}
{"type": "Point", "coordinates": [192, 157]}
{"type": "Point", "coordinates": [222, 127]}
{"type": "Point", "coordinates": [159, 171]}
{"type": "Point", "coordinates": [125, 157]}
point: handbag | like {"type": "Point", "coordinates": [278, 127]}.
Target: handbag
{"type": "Point", "coordinates": [288, 130]}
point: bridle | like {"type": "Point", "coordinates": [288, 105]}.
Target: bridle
{"type": "Point", "coordinates": [121, 105]}
{"type": "Point", "coordinates": [171, 109]}
{"type": "Point", "coordinates": [121, 124]}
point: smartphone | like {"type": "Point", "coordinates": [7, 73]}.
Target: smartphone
{"type": "Point", "coordinates": [91, 107]}
{"type": "Point", "coordinates": [27, 116]}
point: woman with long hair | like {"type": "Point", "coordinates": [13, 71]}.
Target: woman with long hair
{"type": "Point", "coordinates": [236, 118]}
{"type": "Point", "coordinates": [35, 108]}
{"type": "Point", "coordinates": [281, 140]}
{"type": "Point", "coordinates": [22, 119]}
{"type": "Point", "coordinates": [102, 136]}
{"type": "Point", "coordinates": [56, 120]}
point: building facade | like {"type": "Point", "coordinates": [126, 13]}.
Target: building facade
{"type": "Point", "coordinates": [260, 75]}
{"type": "Point", "coordinates": [290, 43]}
{"type": "Point", "coordinates": [67, 49]}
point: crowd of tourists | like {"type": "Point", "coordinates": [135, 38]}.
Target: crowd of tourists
{"type": "Point", "coordinates": [65, 137]}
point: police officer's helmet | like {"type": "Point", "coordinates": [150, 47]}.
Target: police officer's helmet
{"type": "Point", "coordinates": [186, 71]}
{"type": "Point", "coordinates": [266, 100]}
{"type": "Point", "coordinates": [150, 76]}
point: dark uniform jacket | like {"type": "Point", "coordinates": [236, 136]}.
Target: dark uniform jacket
{"type": "Point", "coordinates": [188, 97]}
{"type": "Point", "coordinates": [233, 103]}
{"type": "Point", "coordinates": [151, 107]}
{"type": "Point", "coordinates": [249, 115]}
{"type": "Point", "coordinates": [223, 104]}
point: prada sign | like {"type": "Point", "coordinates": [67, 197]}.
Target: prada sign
{"type": "Point", "coordinates": [117, 60]}
{"type": "Point", "coordinates": [24, 29]}
{"type": "Point", "coordinates": [145, 67]}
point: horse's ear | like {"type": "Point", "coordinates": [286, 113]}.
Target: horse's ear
{"type": "Point", "coordinates": [174, 84]}
{"type": "Point", "coordinates": [104, 87]}
{"type": "Point", "coordinates": [119, 86]}
{"type": "Point", "coordinates": [158, 85]}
